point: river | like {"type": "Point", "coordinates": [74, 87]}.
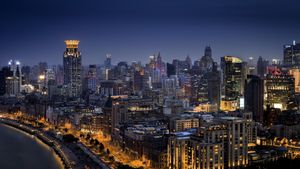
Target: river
{"type": "Point", "coordinates": [19, 150]}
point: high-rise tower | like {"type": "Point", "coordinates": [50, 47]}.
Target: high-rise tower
{"type": "Point", "coordinates": [262, 65]}
{"type": "Point", "coordinates": [72, 68]}
{"type": "Point", "coordinates": [206, 62]}
{"type": "Point", "coordinates": [234, 77]}
{"type": "Point", "coordinates": [254, 96]}
{"type": "Point", "coordinates": [291, 54]}
{"type": "Point", "coordinates": [14, 82]}
{"type": "Point", "coordinates": [107, 62]}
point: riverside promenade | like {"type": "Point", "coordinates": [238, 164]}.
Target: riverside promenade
{"type": "Point", "coordinates": [69, 154]}
{"type": "Point", "coordinates": [68, 158]}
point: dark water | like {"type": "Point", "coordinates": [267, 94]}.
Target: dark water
{"type": "Point", "coordinates": [19, 150]}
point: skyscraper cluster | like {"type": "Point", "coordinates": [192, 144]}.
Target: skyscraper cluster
{"type": "Point", "coordinates": [177, 114]}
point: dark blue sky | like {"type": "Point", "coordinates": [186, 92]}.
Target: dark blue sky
{"type": "Point", "coordinates": [34, 30]}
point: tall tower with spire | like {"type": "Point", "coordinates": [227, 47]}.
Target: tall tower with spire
{"type": "Point", "coordinates": [207, 52]}
{"type": "Point", "coordinates": [72, 68]}
{"type": "Point", "coordinates": [206, 62]}
{"type": "Point", "coordinates": [188, 61]}
{"type": "Point", "coordinates": [160, 65]}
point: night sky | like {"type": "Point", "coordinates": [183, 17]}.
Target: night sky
{"type": "Point", "coordinates": [131, 30]}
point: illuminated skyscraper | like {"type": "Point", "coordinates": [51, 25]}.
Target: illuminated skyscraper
{"type": "Point", "coordinates": [295, 72]}
{"type": "Point", "coordinates": [206, 87]}
{"type": "Point", "coordinates": [280, 90]}
{"type": "Point", "coordinates": [72, 68]}
{"type": "Point", "coordinates": [14, 82]}
{"type": "Point", "coordinates": [250, 67]}
{"type": "Point", "coordinates": [234, 76]}
{"type": "Point", "coordinates": [291, 54]}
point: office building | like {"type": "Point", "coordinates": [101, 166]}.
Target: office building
{"type": "Point", "coordinates": [160, 65]}
{"type": "Point", "coordinates": [26, 74]}
{"type": "Point", "coordinates": [72, 68]}
{"type": "Point", "coordinates": [138, 81]}
{"type": "Point", "coordinates": [254, 96]}
{"type": "Point", "coordinates": [235, 141]}
{"type": "Point", "coordinates": [262, 65]}
{"type": "Point", "coordinates": [181, 65]}
{"type": "Point", "coordinates": [295, 72]}
{"type": "Point", "coordinates": [279, 90]}
{"type": "Point", "coordinates": [206, 61]}
{"type": "Point", "coordinates": [182, 123]}
{"type": "Point", "coordinates": [206, 87]}
{"type": "Point", "coordinates": [220, 143]}
{"type": "Point", "coordinates": [91, 81]}
{"type": "Point", "coordinates": [42, 67]}
{"type": "Point", "coordinates": [14, 82]}
{"type": "Point", "coordinates": [107, 62]}
{"type": "Point", "coordinates": [188, 151]}
{"type": "Point", "coordinates": [214, 85]}
{"type": "Point", "coordinates": [4, 74]}
{"type": "Point", "coordinates": [291, 54]}
{"type": "Point", "coordinates": [234, 77]}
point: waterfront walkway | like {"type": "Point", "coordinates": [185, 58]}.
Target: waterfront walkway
{"type": "Point", "coordinates": [73, 155]}
{"type": "Point", "coordinates": [68, 158]}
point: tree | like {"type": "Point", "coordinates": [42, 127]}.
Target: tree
{"type": "Point", "coordinates": [69, 138]}
{"type": "Point", "coordinates": [96, 142]}
{"type": "Point", "coordinates": [111, 158]}
{"type": "Point", "coordinates": [88, 136]}
{"type": "Point", "coordinates": [101, 147]}
{"type": "Point", "coordinates": [81, 135]}
{"type": "Point", "coordinates": [92, 141]}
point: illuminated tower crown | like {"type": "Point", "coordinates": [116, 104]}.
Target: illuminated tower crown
{"type": "Point", "coordinates": [72, 43]}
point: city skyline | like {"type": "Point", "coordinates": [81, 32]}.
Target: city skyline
{"type": "Point", "coordinates": [133, 30]}
{"type": "Point", "coordinates": [143, 60]}
{"type": "Point", "coordinates": [150, 84]}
